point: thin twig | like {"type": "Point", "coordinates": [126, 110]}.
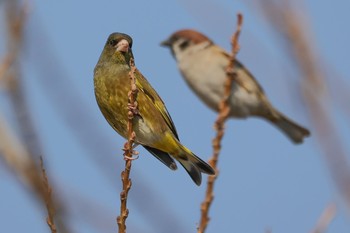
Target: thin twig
{"type": "Point", "coordinates": [48, 199]}
{"type": "Point", "coordinates": [224, 110]}
{"type": "Point", "coordinates": [128, 150]}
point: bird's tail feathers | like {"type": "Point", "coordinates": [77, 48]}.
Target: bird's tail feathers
{"type": "Point", "coordinates": [194, 165]}
{"type": "Point", "coordinates": [294, 131]}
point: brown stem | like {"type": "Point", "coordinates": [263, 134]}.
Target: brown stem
{"type": "Point", "coordinates": [22, 160]}
{"type": "Point", "coordinates": [48, 200]}
{"type": "Point", "coordinates": [224, 110]}
{"type": "Point", "coordinates": [287, 18]}
{"type": "Point", "coordinates": [10, 71]}
{"type": "Point", "coordinates": [128, 150]}
{"type": "Point", "coordinates": [325, 219]}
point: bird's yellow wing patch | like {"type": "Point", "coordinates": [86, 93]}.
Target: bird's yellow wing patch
{"type": "Point", "coordinates": [144, 86]}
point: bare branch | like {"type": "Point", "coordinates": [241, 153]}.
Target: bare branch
{"type": "Point", "coordinates": [128, 150]}
{"type": "Point", "coordinates": [224, 110]}
{"type": "Point", "coordinates": [20, 154]}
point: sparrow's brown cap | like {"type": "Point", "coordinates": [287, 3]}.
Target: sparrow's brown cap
{"type": "Point", "coordinates": [188, 34]}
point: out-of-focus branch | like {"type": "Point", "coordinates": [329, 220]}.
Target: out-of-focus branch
{"type": "Point", "coordinates": [16, 20]}
{"type": "Point", "coordinates": [128, 149]}
{"type": "Point", "coordinates": [20, 158]}
{"type": "Point", "coordinates": [287, 20]}
{"type": "Point", "coordinates": [224, 110]}
{"type": "Point", "coordinates": [5, 65]}
{"type": "Point", "coordinates": [15, 156]}
{"type": "Point", "coordinates": [325, 219]}
{"type": "Point", "coordinates": [293, 27]}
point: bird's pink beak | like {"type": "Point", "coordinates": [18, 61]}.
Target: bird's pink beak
{"type": "Point", "coordinates": [123, 46]}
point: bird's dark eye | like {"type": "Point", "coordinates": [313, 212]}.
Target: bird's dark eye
{"type": "Point", "coordinates": [184, 44]}
{"type": "Point", "coordinates": [112, 42]}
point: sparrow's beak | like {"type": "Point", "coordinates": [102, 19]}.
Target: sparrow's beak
{"type": "Point", "coordinates": [166, 43]}
{"type": "Point", "coordinates": [123, 46]}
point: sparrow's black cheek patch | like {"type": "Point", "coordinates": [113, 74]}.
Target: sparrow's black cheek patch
{"type": "Point", "coordinates": [184, 44]}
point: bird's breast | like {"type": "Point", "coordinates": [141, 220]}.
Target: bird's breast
{"type": "Point", "coordinates": [206, 76]}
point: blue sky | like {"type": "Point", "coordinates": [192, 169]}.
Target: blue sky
{"type": "Point", "coordinates": [265, 181]}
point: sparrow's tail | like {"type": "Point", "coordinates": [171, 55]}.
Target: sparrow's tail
{"type": "Point", "coordinates": [194, 165]}
{"type": "Point", "coordinates": [294, 131]}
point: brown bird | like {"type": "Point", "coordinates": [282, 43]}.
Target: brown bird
{"type": "Point", "coordinates": [203, 66]}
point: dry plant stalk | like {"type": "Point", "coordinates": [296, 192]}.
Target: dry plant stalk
{"type": "Point", "coordinates": [48, 199]}
{"type": "Point", "coordinates": [20, 156]}
{"type": "Point", "coordinates": [128, 150]}
{"type": "Point", "coordinates": [15, 22]}
{"type": "Point", "coordinates": [5, 65]}
{"type": "Point", "coordinates": [16, 156]}
{"type": "Point", "coordinates": [285, 17]}
{"type": "Point", "coordinates": [224, 110]}
{"type": "Point", "coordinates": [325, 219]}
{"type": "Point", "coordinates": [17, 14]}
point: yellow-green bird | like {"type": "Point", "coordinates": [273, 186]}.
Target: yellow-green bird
{"type": "Point", "coordinates": [153, 125]}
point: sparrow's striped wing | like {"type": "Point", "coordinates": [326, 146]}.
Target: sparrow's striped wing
{"type": "Point", "coordinates": [244, 78]}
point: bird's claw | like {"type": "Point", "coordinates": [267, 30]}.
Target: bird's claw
{"type": "Point", "coordinates": [129, 152]}
{"type": "Point", "coordinates": [133, 108]}
{"type": "Point", "coordinates": [131, 158]}
{"type": "Point", "coordinates": [134, 154]}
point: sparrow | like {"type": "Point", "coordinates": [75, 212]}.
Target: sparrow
{"type": "Point", "coordinates": [203, 66]}
{"type": "Point", "coordinates": [153, 126]}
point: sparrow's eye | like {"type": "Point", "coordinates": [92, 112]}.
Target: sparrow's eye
{"type": "Point", "coordinates": [184, 44]}
{"type": "Point", "coordinates": [112, 43]}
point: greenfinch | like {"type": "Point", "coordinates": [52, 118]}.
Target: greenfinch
{"type": "Point", "coordinates": [153, 126]}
